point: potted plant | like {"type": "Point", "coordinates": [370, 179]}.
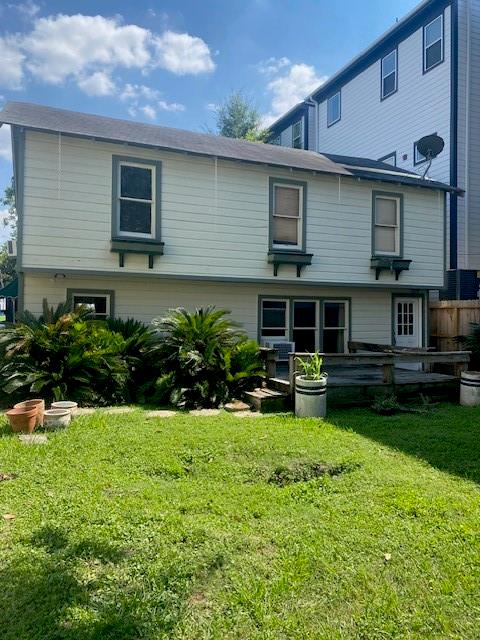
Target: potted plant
{"type": "Point", "coordinates": [311, 388]}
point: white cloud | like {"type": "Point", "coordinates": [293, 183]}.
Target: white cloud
{"type": "Point", "coordinates": [136, 93]}
{"type": "Point", "coordinates": [87, 49]}
{"type": "Point", "coordinates": [28, 9]}
{"type": "Point", "coordinates": [182, 53]}
{"type": "Point", "coordinates": [272, 65]}
{"type": "Point", "coordinates": [5, 143]}
{"type": "Point", "coordinates": [291, 88]}
{"type": "Point", "coordinates": [170, 106]}
{"type": "Point", "coordinates": [211, 106]}
{"type": "Point", "coordinates": [98, 84]}
{"type": "Point", "coordinates": [149, 112]}
{"type": "Point", "coordinates": [11, 71]}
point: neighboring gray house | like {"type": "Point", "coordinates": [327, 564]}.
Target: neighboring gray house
{"type": "Point", "coordinates": [134, 219]}
{"type": "Point", "coordinates": [420, 77]}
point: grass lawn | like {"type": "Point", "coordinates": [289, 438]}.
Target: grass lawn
{"type": "Point", "coordinates": [132, 528]}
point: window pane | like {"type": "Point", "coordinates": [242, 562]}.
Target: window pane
{"type": "Point", "coordinates": [386, 211]}
{"type": "Point", "coordinates": [333, 108]}
{"type": "Point", "coordinates": [287, 201]}
{"type": "Point", "coordinates": [135, 217]}
{"type": "Point", "coordinates": [334, 340]}
{"type": "Point", "coordinates": [285, 231]}
{"type": "Point", "coordinates": [304, 314]}
{"type": "Point", "coordinates": [389, 63]}
{"type": "Point", "coordinates": [136, 182]}
{"type": "Point", "coordinates": [433, 31]}
{"type": "Point", "coordinates": [433, 54]}
{"type": "Point", "coordinates": [274, 313]}
{"type": "Point", "coordinates": [389, 160]}
{"type": "Point", "coordinates": [385, 239]}
{"type": "Point", "coordinates": [389, 85]}
{"type": "Point", "coordinates": [419, 157]}
{"type": "Point", "coordinates": [273, 333]}
{"type": "Point", "coordinates": [304, 340]}
{"type": "Point", "coordinates": [97, 304]}
{"type": "Point", "coordinates": [334, 314]}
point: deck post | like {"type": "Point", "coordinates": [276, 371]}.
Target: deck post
{"type": "Point", "coordinates": [388, 369]}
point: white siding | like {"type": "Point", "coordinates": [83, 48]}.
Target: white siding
{"type": "Point", "coordinates": [372, 128]}
{"type": "Point", "coordinates": [214, 219]}
{"type": "Point", "coordinates": [147, 299]}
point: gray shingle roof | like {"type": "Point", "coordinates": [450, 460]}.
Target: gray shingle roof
{"type": "Point", "coordinates": [42, 118]}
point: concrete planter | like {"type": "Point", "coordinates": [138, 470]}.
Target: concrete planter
{"type": "Point", "coordinates": [57, 418]}
{"type": "Point", "coordinates": [66, 404]}
{"type": "Point", "coordinates": [310, 397]}
{"type": "Point", "coordinates": [470, 388]}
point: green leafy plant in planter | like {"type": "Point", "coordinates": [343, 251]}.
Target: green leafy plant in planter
{"type": "Point", "coordinates": [205, 358]}
{"type": "Point", "coordinates": [311, 387]}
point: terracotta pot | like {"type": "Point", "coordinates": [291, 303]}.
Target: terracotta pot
{"type": "Point", "coordinates": [38, 403]}
{"type": "Point", "coordinates": [23, 419]}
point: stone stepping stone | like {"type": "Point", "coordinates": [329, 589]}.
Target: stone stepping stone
{"type": "Point", "coordinates": [161, 413]}
{"type": "Point", "coordinates": [205, 412]}
{"type": "Point", "coordinates": [33, 438]}
{"type": "Point", "coordinates": [236, 405]}
{"type": "Point", "coordinates": [85, 411]}
{"type": "Point", "coordinates": [248, 414]}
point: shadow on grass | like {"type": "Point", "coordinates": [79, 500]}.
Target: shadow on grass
{"type": "Point", "coordinates": [448, 439]}
{"type": "Point", "coordinates": [57, 589]}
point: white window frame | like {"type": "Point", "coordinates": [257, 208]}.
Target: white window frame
{"type": "Point", "coordinates": [440, 39]}
{"type": "Point", "coordinates": [298, 124]}
{"type": "Point", "coordinates": [88, 294]}
{"type": "Point", "coordinates": [345, 329]}
{"type": "Point", "coordinates": [299, 245]}
{"type": "Point", "coordinates": [389, 226]}
{"type": "Point", "coordinates": [332, 122]}
{"type": "Point", "coordinates": [285, 337]}
{"type": "Point", "coordinates": [152, 168]}
{"type": "Point", "coordinates": [384, 75]}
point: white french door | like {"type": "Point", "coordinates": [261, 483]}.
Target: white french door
{"type": "Point", "coordinates": [408, 325]}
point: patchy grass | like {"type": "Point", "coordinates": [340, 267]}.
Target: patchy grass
{"type": "Point", "coordinates": [128, 528]}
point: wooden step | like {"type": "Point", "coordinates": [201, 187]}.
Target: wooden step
{"type": "Point", "coordinates": [279, 384]}
{"type": "Point", "coordinates": [267, 400]}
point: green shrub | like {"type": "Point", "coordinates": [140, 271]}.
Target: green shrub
{"type": "Point", "coordinates": [205, 358]}
{"type": "Point", "coordinates": [69, 358]}
{"type": "Point", "coordinates": [472, 343]}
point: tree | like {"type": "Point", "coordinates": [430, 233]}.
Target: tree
{"type": "Point", "coordinates": [238, 117]}
{"type": "Point", "coordinates": [8, 263]}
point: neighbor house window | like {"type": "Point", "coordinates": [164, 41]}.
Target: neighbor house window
{"type": "Point", "coordinates": [136, 209]}
{"type": "Point", "coordinates": [297, 135]}
{"type": "Point", "coordinates": [276, 141]}
{"type": "Point", "coordinates": [389, 74]}
{"type": "Point", "coordinates": [287, 209]}
{"type": "Point", "coordinates": [99, 304]}
{"type": "Point", "coordinates": [391, 158]}
{"type": "Point", "coordinates": [418, 157]}
{"type": "Point", "coordinates": [386, 224]}
{"type": "Point", "coordinates": [433, 43]}
{"type": "Point", "coordinates": [333, 109]}
{"type": "Point", "coordinates": [274, 319]}
{"type": "Point", "coordinates": [335, 326]}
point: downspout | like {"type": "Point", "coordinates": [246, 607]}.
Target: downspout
{"type": "Point", "coordinates": [467, 141]}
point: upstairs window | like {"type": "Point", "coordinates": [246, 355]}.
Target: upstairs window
{"type": "Point", "coordinates": [136, 210]}
{"type": "Point", "coordinates": [297, 135]}
{"type": "Point", "coordinates": [390, 158]}
{"type": "Point", "coordinates": [287, 215]}
{"type": "Point", "coordinates": [386, 224]}
{"type": "Point", "coordinates": [334, 109]}
{"type": "Point", "coordinates": [389, 74]}
{"type": "Point", "coordinates": [433, 43]}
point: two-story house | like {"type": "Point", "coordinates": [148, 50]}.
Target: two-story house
{"type": "Point", "coordinates": [135, 219]}
{"type": "Point", "coordinates": [421, 77]}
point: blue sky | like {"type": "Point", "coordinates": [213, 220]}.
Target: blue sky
{"type": "Point", "coordinates": [170, 62]}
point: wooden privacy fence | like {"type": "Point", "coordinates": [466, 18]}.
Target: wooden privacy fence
{"type": "Point", "coordinates": [450, 319]}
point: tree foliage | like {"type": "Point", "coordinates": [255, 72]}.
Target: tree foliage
{"type": "Point", "coordinates": [8, 263]}
{"type": "Point", "coordinates": [237, 117]}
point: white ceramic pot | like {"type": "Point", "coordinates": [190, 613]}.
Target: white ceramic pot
{"type": "Point", "coordinates": [57, 418]}
{"type": "Point", "coordinates": [310, 397]}
{"type": "Point", "coordinates": [470, 388]}
{"type": "Point", "coordinates": [66, 404]}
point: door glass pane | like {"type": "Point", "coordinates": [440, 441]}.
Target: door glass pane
{"type": "Point", "coordinates": [287, 201]}
{"type": "Point", "coordinates": [285, 231]}
{"type": "Point", "coordinates": [304, 313]}
{"type": "Point", "coordinates": [135, 217]}
{"type": "Point", "coordinates": [304, 340]}
{"type": "Point", "coordinates": [136, 182]}
{"type": "Point", "coordinates": [385, 239]}
{"type": "Point", "coordinates": [274, 314]}
{"type": "Point", "coordinates": [334, 340]}
{"type": "Point", "coordinates": [334, 314]}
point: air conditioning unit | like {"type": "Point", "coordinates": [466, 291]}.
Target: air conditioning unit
{"type": "Point", "coordinates": [12, 248]}
{"type": "Point", "coordinates": [283, 348]}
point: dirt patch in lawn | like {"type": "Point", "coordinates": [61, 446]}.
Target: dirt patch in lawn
{"type": "Point", "coordinates": [301, 471]}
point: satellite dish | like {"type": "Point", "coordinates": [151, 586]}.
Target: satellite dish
{"type": "Point", "coordinates": [430, 147]}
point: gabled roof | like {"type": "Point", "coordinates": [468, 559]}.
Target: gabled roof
{"type": "Point", "coordinates": [51, 120]}
{"type": "Point", "coordinates": [422, 13]}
